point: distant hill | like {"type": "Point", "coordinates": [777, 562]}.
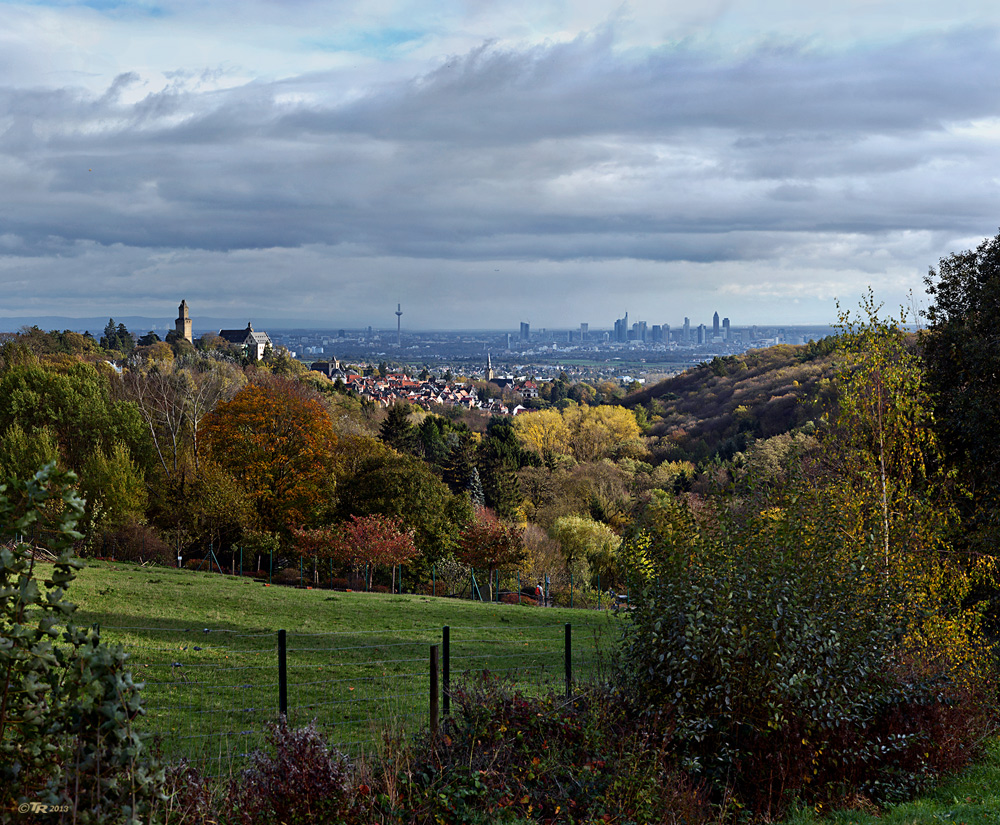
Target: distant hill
{"type": "Point", "coordinates": [717, 408]}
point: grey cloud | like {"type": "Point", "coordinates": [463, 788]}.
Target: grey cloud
{"type": "Point", "coordinates": [570, 153]}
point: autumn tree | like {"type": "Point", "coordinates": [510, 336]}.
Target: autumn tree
{"type": "Point", "coordinates": [276, 438]}
{"type": "Point", "coordinates": [489, 543]}
{"type": "Point", "coordinates": [373, 541]}
{"type": "Point", "coordinates": [544, 431]}
{"type": "Point", "coordinates": [887, 448]}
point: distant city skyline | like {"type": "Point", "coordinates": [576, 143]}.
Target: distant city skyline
{"type": "Point", "coordinates": [486, 163]}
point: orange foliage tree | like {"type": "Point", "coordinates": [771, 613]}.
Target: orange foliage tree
{"type": "Point", "coordinates": [276, 438]}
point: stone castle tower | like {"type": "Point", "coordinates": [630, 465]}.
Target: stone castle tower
{"type": "Point", "coordinates": [183, 322]}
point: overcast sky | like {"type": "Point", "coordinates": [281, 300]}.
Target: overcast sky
{"type": "Point", "coordinates": [488, 162]}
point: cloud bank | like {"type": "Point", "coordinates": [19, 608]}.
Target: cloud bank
{"type": "Point", "coordinates": [561, 171]}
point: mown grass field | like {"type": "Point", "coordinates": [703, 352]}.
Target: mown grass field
{"type": "Point", "coordinates": [206, 647]}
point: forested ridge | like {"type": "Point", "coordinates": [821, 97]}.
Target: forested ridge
{"type": "Point", "coordinates": [805, 533]}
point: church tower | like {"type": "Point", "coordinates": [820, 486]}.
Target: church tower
{"type": "Point", "coordinates": [489, 368]}
{"type": "Point", "coordinates": [183, 322]}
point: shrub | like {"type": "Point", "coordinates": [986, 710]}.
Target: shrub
{"type": "Point", "coordinates": [137, 543]}
{"type": "Point", "coordinates": [505, 757]}
{"type": "Point", "coordinates": [513, 598]}
{"type": "Point", "coordinates": [772, 651]}
{"type": "Point", "coordinates": [299, 781]}
{"type": "Point", "coordinates": [290, 575]}
{"type": "Point", "coordinates": [66, 735]}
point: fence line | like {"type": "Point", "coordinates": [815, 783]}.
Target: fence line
{"type": "Point", "coordinates": [211, 703]}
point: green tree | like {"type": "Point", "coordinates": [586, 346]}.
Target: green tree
{"type": "Point", "coordinates": [114, 487]}
{"type": "Point", "coordinates": [21, 452]}
{"type": "Point", "coordinates": [963, 362]}
{"type": "Point", "coordinates": [589, 548]}
{"type": "Point", "coordinates": [499, 458]}
{"type": "Point", "coordinates": [397, 430]}
{"type": "Point", "coordinates": [403, 486]}
{"type": "Point", "coordinates": [78, 404]}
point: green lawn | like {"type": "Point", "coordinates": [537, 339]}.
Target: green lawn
{"type": "Point", "coordinates": [206, 646]}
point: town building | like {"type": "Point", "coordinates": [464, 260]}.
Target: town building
{"type": "Point", "coordinates": [252, 342]}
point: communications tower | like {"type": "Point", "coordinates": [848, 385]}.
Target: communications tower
{"type": "Point", "coordinates": [399, 325]}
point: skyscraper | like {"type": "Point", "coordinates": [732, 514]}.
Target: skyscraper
{"type": "Point", "coordinates": [715, 325]}
{"type": "Point", "coordinates": [725, 328]}
{"type": "Point", "coordinates": [621, 330]}
{"type": "Point", "coordinates": [687, 329]}
{"type": "Point", "coordinates": [525, 331]}
{"type": "Point", "coordinates": [584, 331]}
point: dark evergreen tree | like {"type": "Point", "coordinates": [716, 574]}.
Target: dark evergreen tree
{"type": "Point", "coordinates": [499, 459]}
{"type": "Point", "coordinates": [110, 335]}
{"type": "Point", "coordinates": [397, 431]}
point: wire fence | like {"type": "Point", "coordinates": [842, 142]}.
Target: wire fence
{"type": "Point", "coordinates": [209, 693]}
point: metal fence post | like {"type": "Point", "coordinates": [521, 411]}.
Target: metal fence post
{"type": "Point", "coordinates": [446, 668]}
{"type": "Point", "coordinates": [434, 690]}
{"type": "Point", "coordinates": [569, 661]}
{"type": "Point", "coordinates": [282, 675]}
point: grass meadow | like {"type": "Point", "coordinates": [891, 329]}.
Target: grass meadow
{"type": "Point", "coordinates": [206, 647]}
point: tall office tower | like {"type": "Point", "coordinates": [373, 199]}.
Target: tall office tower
{"type": "Point", "coordinates": [715, 325]}
{"type": "Point", "coordinates": [621, 330]}
{"type": "Point", "coordinates": [702, 333]}
{"type": "Point", "coordinates": [525, 331]}
{"type": "Point", "coordinates": [399, 325]}
{"type": "Point", "coordinates": [687, 329]}
{"type": "Point", "coordinates": [656, 334]}
{"type": "Point", "coordinates": [666, 333]}
{"type": "Point", "coordinates": [639, 331]}
{"type": "Point", "coordinates": [725, 328]}
{"type": "Point", "coordinates": [584, 331]}
{"type": "Point", "coordinates": [508, 340]}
